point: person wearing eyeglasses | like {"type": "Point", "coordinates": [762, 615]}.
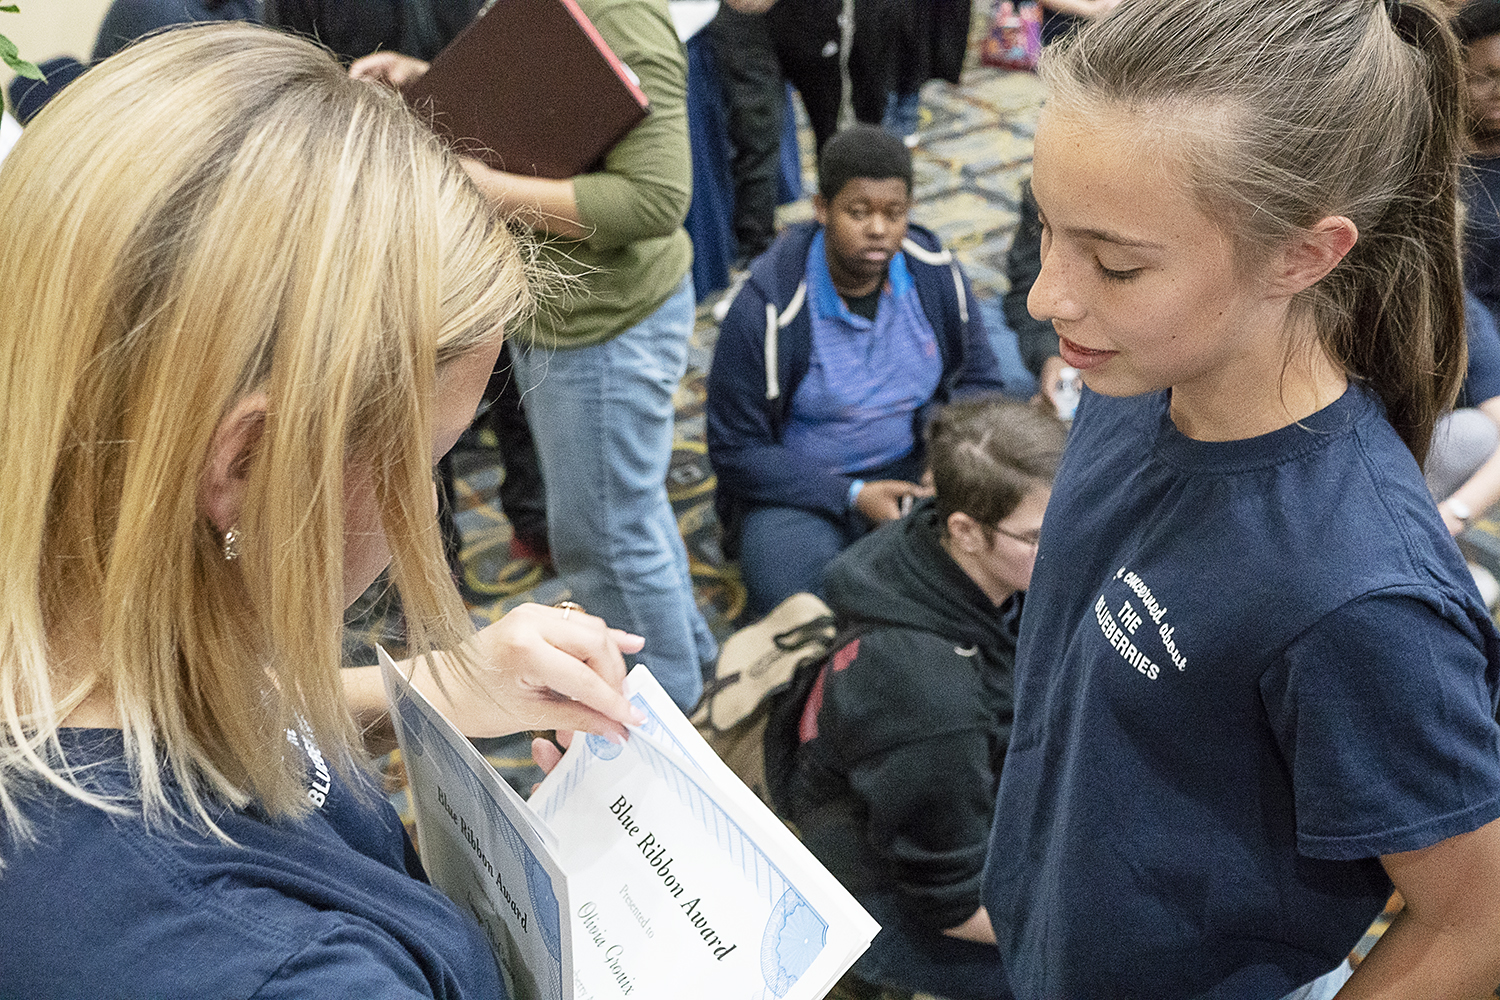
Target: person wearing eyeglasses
{"type": "Point", "coordinates": [899, 744]}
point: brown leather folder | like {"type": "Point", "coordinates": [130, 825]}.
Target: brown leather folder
{"type": "Point", "coordinates": [530, 87]}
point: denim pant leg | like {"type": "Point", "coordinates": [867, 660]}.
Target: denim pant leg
{"type": "Point", "coordinates": [784, 551]}
{"type": "Point", "coordinates": [602, 417]}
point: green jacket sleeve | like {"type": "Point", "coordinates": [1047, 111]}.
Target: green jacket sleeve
{"type": "Point", "coordinates": [646, 182]}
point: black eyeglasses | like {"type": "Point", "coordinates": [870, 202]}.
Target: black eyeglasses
{"type": "Point", "coordinates": [1031, 538]}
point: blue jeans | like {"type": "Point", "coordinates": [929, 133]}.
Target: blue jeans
{"type": "Point", "coordinates": [602, 418]}
{"type": "Point", "coordinates": [902, 112]}
{"type": "Point", "coordinates": [784, 551]}
{"type": "Point", "coordinates": [1462, 441]}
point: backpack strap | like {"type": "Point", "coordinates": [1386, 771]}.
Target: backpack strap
{"type": "Point", "coordinates": [783, 726]}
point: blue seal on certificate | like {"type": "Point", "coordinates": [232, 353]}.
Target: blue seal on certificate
{"type": "Point", "coordinates": [793, 938]}
{"type": "Point", "coordinates": [602, 748]}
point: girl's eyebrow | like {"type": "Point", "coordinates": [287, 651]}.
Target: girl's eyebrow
{"type": "Point", "coordinates": [1109, 236]}
{"type": "Point", "coordinates": [1103, 235]}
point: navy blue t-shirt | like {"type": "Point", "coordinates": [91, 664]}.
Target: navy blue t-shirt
{"type": "Point", "coordinates": [1482, 230]}
{"type": "Point", "coordinates": [331, 906]}
{"type": "Point", "coordinates": [1482, 379]}
{"type": "Point", "coordinates": [1246, 670]}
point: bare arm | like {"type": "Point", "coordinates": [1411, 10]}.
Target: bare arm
{"type": "Point", "coordinates": [1445, 944]}
{"type": "Point", "coordinates": [540, 202]}
{"type": "Point", "coordinates": [1481, 490]}
{"type": "Point", "coordinates": [1081, 8]}
{"type": "Point", "coordinates": [390, 68]}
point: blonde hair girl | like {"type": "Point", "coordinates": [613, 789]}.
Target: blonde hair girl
{"type": "Point", "coordinates": [248, 303]}
{"type": "Point", "coordinates": [1255, 686]}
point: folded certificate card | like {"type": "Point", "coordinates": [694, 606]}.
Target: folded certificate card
{"type": "Point", "coordinates": [646, 870]}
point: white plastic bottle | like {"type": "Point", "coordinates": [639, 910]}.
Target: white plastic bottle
{"type": "Point", "coordinates": [1065, 393]}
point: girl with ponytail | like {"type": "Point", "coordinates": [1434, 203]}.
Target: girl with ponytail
{"type": "Point", "coordinates": [1255, 684]}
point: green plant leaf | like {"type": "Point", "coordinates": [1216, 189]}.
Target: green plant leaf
{"type": "Point", "coordinates": [12, 58]}
{"type": "Point", "coordinates": [10, 8]}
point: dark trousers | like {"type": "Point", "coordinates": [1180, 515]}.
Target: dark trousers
{"type": "Point", "coordinates": [796, 41]}
{"type": "Point", "coordinates": [523, 495]}
{"type": "Point", "coordinates": [884, 56]}
{"type": "Point", "coordinates": [784, 550]}
{"type": "Point", "coordinates": [907, 956]}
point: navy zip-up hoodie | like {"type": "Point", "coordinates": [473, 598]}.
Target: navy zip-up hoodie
{"type": "Point", "coordinates": [763, 353]}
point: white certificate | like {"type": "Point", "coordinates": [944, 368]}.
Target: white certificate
{"type": "Point", "coordinates": [672, 878]}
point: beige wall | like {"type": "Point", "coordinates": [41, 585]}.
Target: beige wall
{"type": "Point", "coordinates": [46, 28]}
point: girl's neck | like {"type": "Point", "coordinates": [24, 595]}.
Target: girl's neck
{"type": "Point", "coordinates": [997, 592]}
{"type": "Point", "coordinates": [1259, 399]}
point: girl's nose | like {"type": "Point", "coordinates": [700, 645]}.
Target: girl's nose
{"type": "Point", "coordinates": [1051, 295]}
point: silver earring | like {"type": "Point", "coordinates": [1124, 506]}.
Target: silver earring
{"type": "Point", "coordinates": [232, 544]}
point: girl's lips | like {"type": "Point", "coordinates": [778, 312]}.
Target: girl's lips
{"type": "Point", "coordinates": [1080, 357]}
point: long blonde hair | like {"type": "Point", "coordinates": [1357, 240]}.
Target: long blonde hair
{"type": "Point", "coordinates": [1294, 111]}
{"type": "Point", "coordinates": [216, 212]}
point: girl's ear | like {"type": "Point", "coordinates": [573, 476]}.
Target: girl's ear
{"type": "Point", "coordinates": [820, 209]}
{"type": "Point", "coordinates": [1310, 257]}
{"type": "Point", "coordinates": [225, 474]}
{"type": "Point", "coordinates": [967, 534]}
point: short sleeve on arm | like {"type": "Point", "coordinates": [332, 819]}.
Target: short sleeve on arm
{"type": "Point", "coordinates": [1482, 380]}
{"type": "Point", "coordinates": [646, 182]}
{"type": "Point", "coordinates": [1385, 716]}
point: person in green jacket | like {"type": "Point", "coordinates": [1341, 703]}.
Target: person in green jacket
{"type": "Point", "coordinates": [606, 357]}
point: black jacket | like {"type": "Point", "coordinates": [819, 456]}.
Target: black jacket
{"type": "Point", "coordinates": [900, 742]}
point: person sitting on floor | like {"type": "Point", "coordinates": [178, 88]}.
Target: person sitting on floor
{"type": "Point", "coordinates": [848, 330]}
{"type": "Point", "coordinates": [899, 744]}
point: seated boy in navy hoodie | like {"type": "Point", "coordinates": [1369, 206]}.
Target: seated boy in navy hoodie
{"type": "Point", "coordinates": [846, 334]}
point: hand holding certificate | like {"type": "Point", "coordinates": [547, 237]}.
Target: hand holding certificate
{"type": "Point", "coordinates": [652, 868]}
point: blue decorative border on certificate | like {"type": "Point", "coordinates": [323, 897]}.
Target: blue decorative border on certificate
{"type": "Point", "coordinates": [795, 933]}
{"type": "Point", "coordinates": [544, 905]}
